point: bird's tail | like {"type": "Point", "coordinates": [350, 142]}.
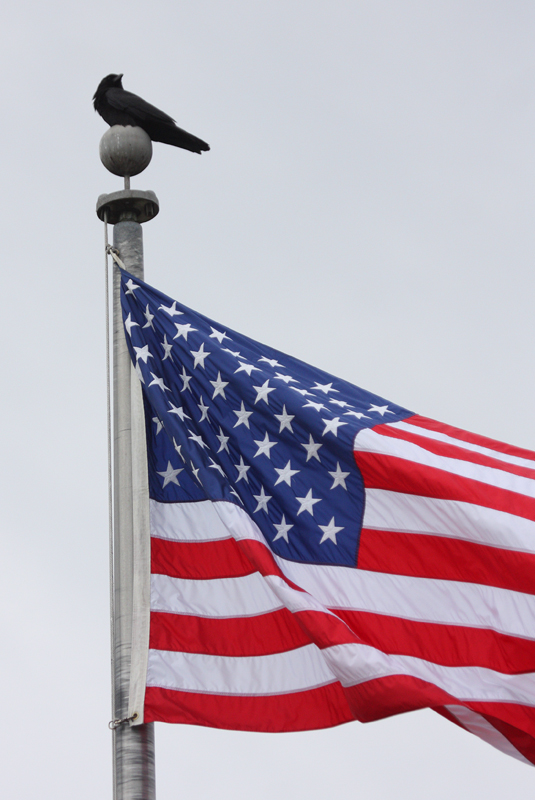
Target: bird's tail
{"type": "Point", "coordinates": [179, 138]}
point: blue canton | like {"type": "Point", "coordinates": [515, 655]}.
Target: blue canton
{"type": "Point", "coordinates": [231, 419]}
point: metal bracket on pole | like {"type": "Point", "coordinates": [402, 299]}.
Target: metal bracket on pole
{"type": "Point", "coordinates": [127, 204]}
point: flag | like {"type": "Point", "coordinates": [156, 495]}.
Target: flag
{"type": "Point", "coordinates": [320, 554]}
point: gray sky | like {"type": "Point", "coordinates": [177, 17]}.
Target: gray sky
{"type": "Point", "coordinates": [367, 206]}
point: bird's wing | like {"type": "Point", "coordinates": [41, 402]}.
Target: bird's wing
{"type": "Point", "coordinates": [136, 106]}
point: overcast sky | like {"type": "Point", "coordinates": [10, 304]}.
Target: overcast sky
{"type": "Point", "coordinates": [367, 206]}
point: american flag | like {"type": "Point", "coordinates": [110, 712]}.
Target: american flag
{"type": "Point", "coordinates": [320, 554]}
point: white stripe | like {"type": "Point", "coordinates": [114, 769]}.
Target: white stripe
{"type": "Point", "coordinates": [408, 513]}
{"type": "Point", "coordinates": [307, 667]}
{"type": "Point", "coordinates": [420, 599]}
{"type": "Point", "coordinates": [221, 598]}
{"type": "Point", "coordinates": [358, 663]}
{"type": "Point", "coordinates": [333, 587]}
{"type": "Point", "coordinates": [475, 448]}
{"type": "Point", "coordinates": [186, 522]}
{"type": "Point", "coordinates": [367, 440]}
{"type": "Point", "coordinates": [478, 725]}
{"type": "Point", "coordinates": [281, 673]}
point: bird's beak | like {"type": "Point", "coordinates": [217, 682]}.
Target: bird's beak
{"type": "Point", "coordinates": [120, 76]}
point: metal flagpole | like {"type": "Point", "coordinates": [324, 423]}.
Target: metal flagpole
{"type": "Point", "coordinates": [127, 151]}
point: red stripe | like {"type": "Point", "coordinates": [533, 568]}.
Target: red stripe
{"type": "Point", "coordinates": [472, 438]}
{"type": "Point", "coordinates": [300, 711]}
{"type": "Point", "coordinates": [522, 741]}
{"type": "Point", "coordinates": [401, 475]}
{"type": "Point", "coordinates": [444, 558]}
{"type": "Point", "coordinates": [519, 717]}
{"type": "Point", "coordinates": [394, 694]}
{"type": "Point", "coordinates": [324, 707]}
{"type": "Point", "coordinates": [224, 558]}
{"type": "Point", "coordinates": [266, 634]}
{"type": "Point", "coordinates": [457, 452]}
{"type": "Point", "coordinates": [199, 560]}
{"type": "Point", "coordinates": [449, 645]}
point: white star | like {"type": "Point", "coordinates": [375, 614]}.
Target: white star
{"type": "Point", "coordinates": [166, 348]}
{"type": "Point", "coordinates": [235, 493]}
{"type": "Point", "coordinates": [129, 324]}
{"type": "Point", "coordinates": [139, 373]}
{"type": "Point", "coordinates": [285, 420]}
{"type": "Point", "coordinates": [286, 474]}
{"type": "Point", "coordinates": [195, 471]}
{"type": "Point", "coordinates": [178, 448]}
{"type": "Point", "coordinates": [317, 406]}
{"type": "Point", "coordinates": [171, 310]}
{"type": "Point", "coordinates": [332, 425]}
{"type": "Point", "coordinates": [183, 330]}
{"type": "Point", "coordinates": [341, 403]}
{"type": "Point", "coordinates": [264, 446]}
{"type": "Point", "coordinates": [243, 416]}
{"type": "Point", "coordinates": [262, 500]}
{"type": "Point", "coordinates": [282, 529]}
{"type": "Point", "coordinates": [222, 440]}
{"type": "Point", "coordinates": [262, 392]}
{"type": "Point", "coordinates": [186, 379]}
{"type": "Point", "coordinates": [197, 439]}
{"type": "Point", "coordinates": [357, 414]}
{"type": "Point", "coordinates": [219, 387]}
{"type": "Point", "coordinates": [179, 411]}
{"type": "Point", "coordinates": [382, 410]}
{"type": "Point", "coordinates": [149, 317]}
{"type": "Point", "coordinates": [215, 465]}
{"type": "Point", "coordinates": [232, 353]}
{"type": "Point", "coordinates": [218, 335]}
{"type": "Point", "coordinates": [204, 409]}
{"type": "Point", "coordinates": [304, 392]}
{"type": "Point", "coordinates": [131, 286]}
{"type": "Point", "coordinates": [329, 532]}
{"type": "Point", "coordinates": [159, 425]}
{"type": "Point", "coordinates": [307, 503]}
{"type": "Point", "coordinates": [312, 448]}
{"type": "Point", "coordinates": [159, 382]}
{"type": "Point", "coordinates": [142, 353]}
{"type": "Point", "coordinates": [285, 378]}
{"type": "Point", "coordinates": [248, 368]}
{"type": "Point", "coordinates": [200, 355]}
{"type": "Point", "coordinates": [242, 470]}
{"type": "Point", "coordinates": [271, 361]}
{"type": "Point", "coordinates": [323, 387]}
{"type": "Point", "coordinates": [169, 476]}
{"type": "Point", "coordinates": [339, 477]}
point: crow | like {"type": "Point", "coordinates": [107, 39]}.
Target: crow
{"type": "Point", "coordinates": [118, 107]}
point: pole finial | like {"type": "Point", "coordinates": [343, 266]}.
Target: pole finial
{"type": "Point", "coordinates": [125, 150]}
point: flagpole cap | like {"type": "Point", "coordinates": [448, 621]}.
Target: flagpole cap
{"type": "Point", "coordinates": [129, 204]}
{"type": "Point", "coordinates": [125, 150]}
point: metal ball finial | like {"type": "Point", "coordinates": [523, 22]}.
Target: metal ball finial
{"type": "Point", "coordinates": [125, 150]}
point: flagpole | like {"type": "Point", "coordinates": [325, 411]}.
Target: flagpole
{"type": "Point", "coordinates": [126, 152]}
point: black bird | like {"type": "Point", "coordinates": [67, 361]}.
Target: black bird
{"type": "Point", "coordinates": [118, 107]}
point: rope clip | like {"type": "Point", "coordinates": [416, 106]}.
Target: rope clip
{"type": "Point", "coordinates": [116, 723]}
